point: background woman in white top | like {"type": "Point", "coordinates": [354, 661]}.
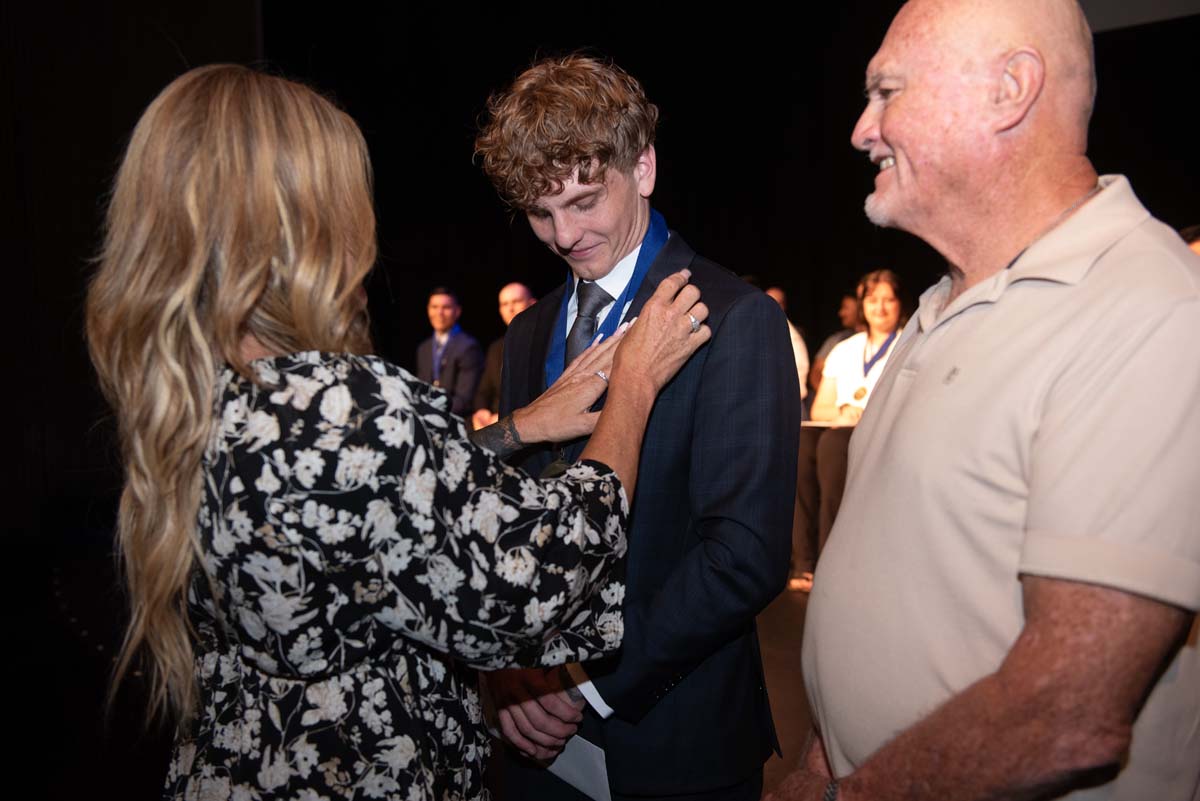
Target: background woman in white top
{"type": "Point", "coordinates": [850, 373]}
{"type": "Point", "coordinates": [855, 364]}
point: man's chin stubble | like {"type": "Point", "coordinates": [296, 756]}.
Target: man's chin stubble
{"type": "Point", "coordinates": [874, 213]}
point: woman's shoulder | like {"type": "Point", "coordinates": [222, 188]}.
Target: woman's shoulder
{"type": "Point", "coordinates": [327, 367]}
{"type": "Point", "coordinates": [297, 379]}
{"type": "Point", "coordinates": [852, 344]}
{"type": "Point", "coordinates": [323, 402]}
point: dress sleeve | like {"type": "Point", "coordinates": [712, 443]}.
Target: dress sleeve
{"type": "Point", "coordinates": [396, 524]}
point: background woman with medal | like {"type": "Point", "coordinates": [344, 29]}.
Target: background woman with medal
{"type": "Point", "coordinates": [856, 363]}
{"type": "Point", "coordinates": [850, 373]}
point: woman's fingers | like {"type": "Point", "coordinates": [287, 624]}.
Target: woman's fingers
{"type": "Point", "coordinates": [699, 311]}
{"type": "Point", "coordinates": [597, 356]}
{"type": "Point", "coordinates": [685, 299]}
{"type": "Point", "coordinates": [600, 356]}
{"type": "Point", "coordinates": [669, 287]}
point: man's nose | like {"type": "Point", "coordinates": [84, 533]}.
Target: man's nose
{"type": "Point", "coordinates": [866, 130]}
{"type": "Point", "coordinates": [566, 233]}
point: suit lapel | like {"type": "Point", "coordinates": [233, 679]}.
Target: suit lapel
{"type": "Point", "coordinates": [543, 330]}
{"type": "Point", "coordinates": [674, 256]}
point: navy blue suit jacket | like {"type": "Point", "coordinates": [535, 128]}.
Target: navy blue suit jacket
{"type": "Point", "coordinates": [462, 365]}
{"type": "Point", "coordinates": [710, 538]}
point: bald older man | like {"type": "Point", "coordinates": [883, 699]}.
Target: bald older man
{"type": "Point", "coordinates": [514, 298]}
{"type": "Point", "coordinates": [1006, 606]}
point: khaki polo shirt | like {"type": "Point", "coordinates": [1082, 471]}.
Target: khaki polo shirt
{"type": "Point", "coordinates": [1045, 422]}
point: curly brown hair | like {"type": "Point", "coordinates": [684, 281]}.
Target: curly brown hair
{"type": "Point", "coordinates": [561, 115]}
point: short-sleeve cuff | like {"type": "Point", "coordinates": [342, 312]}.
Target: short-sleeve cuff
{"type": "Point", "coordinates": [1163, 576]}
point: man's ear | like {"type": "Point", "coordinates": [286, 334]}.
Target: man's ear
{"type": "Point", "coordinates": [1018, 88]}
{"type": "Point", "coordinates": [645, 171]}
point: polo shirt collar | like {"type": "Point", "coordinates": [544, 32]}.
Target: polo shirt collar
{"type": "Point", "coordinates": [1063, 255]}
{"type": "Point", "coordinates": [1066, 253]}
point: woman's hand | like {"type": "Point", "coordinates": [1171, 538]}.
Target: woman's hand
{"type": "Point", "coordinates": [664, 335]}
{"type": "Point", "coordinates": [563, 412]}
{"type": "Point", "coordinates": [848, 415]}
{"type": "Point", "coordinates": [667, 332]}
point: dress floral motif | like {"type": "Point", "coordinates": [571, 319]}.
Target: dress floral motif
{"type": "Point", "coordinates": [360, 555]}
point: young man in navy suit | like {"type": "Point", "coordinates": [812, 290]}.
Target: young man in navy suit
{"type": "Point", "coordinates": [451, 358]}
{"type": "Point", "coordinates": [682, 712]}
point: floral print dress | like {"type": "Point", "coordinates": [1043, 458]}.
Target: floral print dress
{"type": "Point", "coordinates": [359, 556]}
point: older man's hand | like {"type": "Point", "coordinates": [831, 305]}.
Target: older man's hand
{"type": "Point", "coordinates": [799, 785]}
{"type": "Point", "coordinates": [807, 781]}
{"type": "Point", "coordinates": [535, 712]}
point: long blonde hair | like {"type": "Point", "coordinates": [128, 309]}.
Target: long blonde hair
{"type": "Point", "coordinates": [242, 207]}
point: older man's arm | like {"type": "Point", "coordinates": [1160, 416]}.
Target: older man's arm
{"type": "Point", "coordinates": [1057, 714]}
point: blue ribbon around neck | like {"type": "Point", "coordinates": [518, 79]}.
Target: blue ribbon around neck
{"type": "Point", "coordinates": [887, 343]}
{"type": "Point", "coordinates": [652, 243]}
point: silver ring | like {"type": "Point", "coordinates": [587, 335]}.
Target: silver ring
{"type": "Point", "coordinates": [695, 322]}
{"type": "Point", "coordinates": [603, 375]}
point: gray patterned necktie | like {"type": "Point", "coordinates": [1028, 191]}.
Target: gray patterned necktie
{"type": "Point", "coordinates": [592, 298]}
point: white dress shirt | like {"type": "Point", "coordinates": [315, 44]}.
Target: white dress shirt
{"type": "Point", "coordinates": [614, 284]}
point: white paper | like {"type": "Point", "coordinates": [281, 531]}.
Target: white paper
{"type": "Point", "coordinates": [581, 765]}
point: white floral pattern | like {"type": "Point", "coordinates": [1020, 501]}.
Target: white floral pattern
{"type": "Point", "coordinates": [364, 555]}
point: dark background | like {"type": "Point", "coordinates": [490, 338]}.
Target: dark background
{"type": "Point", "coordinates": [754, 170]}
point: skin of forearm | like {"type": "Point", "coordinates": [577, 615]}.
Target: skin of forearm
{"type": "Point", "coordinates": [824, 406]}
{"type": "Point", "coordinates": [987, 743]}
{"type": "Point", "coordinates": [617, 440]}
{"type": "Point", "coordinates": [1059, 709]}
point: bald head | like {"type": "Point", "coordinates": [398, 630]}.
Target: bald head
{"type": "Point", "coordinates": [514, 299]}
{"type": "Point", "coordinates": [992, 38]}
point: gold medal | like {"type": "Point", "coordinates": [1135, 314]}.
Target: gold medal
{"type": "Point", "coordinates": [860, 393]}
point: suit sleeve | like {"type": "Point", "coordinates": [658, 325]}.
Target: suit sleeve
{"type": "Point", "coordinates": [488, 394]}
{"type": "Point", "coordinates": [470, 367]}
{"type": "Point", "coordinates": [424, 362]}
{"type": "Point", "coordinates": [512, 379]}
{"type": "Point", "coordinates": [742, 482]}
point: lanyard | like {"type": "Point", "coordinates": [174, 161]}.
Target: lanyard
{"type": "Point", "coordinates": [887, 343]}
{"type": "Point", "coordinates": [656, 237]}
{"type": "Point", "coordinates": [439, 351]}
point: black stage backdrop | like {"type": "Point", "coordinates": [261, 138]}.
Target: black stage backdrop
{"type": "Point", "coordinates": [755, 170]}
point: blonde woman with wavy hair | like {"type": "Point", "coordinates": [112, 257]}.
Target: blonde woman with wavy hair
{"type": "Point", "coordinates": [314, 548]}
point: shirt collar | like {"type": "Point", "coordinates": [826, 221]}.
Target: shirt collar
{"type": "Point", "coordinates": [1064, 254]}
{"type": "Point", "coordinates": [442, 339]}
{"type": "Point", "coordinates": [618, 277]}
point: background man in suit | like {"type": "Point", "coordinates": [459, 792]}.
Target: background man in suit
{"type": "Point", "coordinates": [683, 711]}
{"type": "Point", "coordinates": [451, 358]}
{"type": "Point", "coordinates": [514, 298]}
{"type": "Point", "coordinates": [1004, 611]}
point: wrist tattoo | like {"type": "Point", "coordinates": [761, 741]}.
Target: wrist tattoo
{"type": "Point", "coordinates": [568, 683]}
{"type": "Point", "coordinates": [501, 437]}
